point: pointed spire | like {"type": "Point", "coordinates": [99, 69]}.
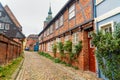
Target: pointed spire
{"type": "Point", "coordinates": [50, 11]}
{"type": "Point", "coordinates": [49, 17]}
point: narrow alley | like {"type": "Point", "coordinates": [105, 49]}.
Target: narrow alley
{"type": "Point", "coordinates": [36, 67]}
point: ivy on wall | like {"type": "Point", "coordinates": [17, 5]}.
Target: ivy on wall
{"type": "Point", "coordinates": [108, 52]}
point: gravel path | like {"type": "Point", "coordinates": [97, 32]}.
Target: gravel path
{"type": "Point", "coordinates": [36, 67]}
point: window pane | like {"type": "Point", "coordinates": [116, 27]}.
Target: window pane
{"type": "Point", "coordinates": [72, 8]}
{"type": "Point", "coordinates": [61, 20]}
{"type": "Point", "coordinates": [1, 25]}
{"type": "Point", "coordinates": [7, 26]}
{"type": "Point", "coordinates": [57, 24]}
{"type": "Point", "coordinates": [72, 14]}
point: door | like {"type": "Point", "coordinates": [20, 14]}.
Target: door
{"type": "Point", "coordinates": [92, 65]}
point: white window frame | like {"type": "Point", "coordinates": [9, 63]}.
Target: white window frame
{"type": "Point", "coordinates": [1, 25]}
{"type": "Point", "coordinates": [7, 26]}
{"type": "Point", "coordinates": [104, 25]}
{"type": "Point", "coordinates": [58, 40]}
{"type": "Point", "coordinates": [72, 11]}
{"type": "Point", "coordinates": [61, 20]}
{"type": "Point", "coordinates": [57, 24]}
{"type": "Point", "coordinates": [75, 38]}
{"type": "Point", "coordinates": [48, 46]}
{"type": "Point", "coordinates": [0, 13]}
{"type": "Point", "coordinates": [98, 1]}
{"type": "Point", "coordinates": [67, 38]}
{"type": "Point", "coordinates": [51, 29]}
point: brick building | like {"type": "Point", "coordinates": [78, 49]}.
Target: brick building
{"type": "Point", "coordinates": [73, 22]}
{"type": "Point", "coordinates": [31, 41]}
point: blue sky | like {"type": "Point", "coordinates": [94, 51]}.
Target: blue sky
{"type": "Point", "coordinates": [32, 13]}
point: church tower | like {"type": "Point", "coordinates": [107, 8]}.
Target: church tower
{"type": "Point", "coordinates": [49, 17]}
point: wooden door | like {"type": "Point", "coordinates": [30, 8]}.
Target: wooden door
{"type": "Point", "coordinates": [92, 65]}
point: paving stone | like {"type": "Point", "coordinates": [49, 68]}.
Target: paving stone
{"type": "Point", "coordinates": [36, 67]}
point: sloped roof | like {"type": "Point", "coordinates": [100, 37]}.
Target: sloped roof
{"type": "Point", "coordinates": [11, 15]}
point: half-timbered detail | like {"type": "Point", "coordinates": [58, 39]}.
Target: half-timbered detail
{"type": "Point", "coordinates": [73, 22]}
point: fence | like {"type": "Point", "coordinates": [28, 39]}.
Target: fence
{"type": "Point", "coordinates": [9, 49]}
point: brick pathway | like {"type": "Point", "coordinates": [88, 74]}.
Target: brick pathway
{"type": "Point", "coordinates": [37, 67]}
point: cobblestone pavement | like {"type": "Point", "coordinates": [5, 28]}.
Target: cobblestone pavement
{"type": "Point", "coordinates": [36, 67]}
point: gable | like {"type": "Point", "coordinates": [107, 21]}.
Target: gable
{"type": "Point", "coordinates": [13, 31]}
{"type": "Point", "coordinates": [4, 17]}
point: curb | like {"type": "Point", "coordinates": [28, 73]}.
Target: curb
{"type": "Point", "coordinates": [15, 75]}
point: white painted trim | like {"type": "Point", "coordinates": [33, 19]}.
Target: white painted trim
{"type": "Point", "coordinates": [112, 25]}
{"type": "Point", "coordinates": [98, 2]}
{"type": "Point", "coordinates": [108, 14]}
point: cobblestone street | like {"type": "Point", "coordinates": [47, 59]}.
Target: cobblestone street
{"type": "Point", "coordinates": [36, 67]}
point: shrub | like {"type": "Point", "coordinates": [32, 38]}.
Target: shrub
{"type": "Point", "coordinates": [108, 53]}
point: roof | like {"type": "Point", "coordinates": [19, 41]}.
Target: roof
{"type": "Point", "coordinates": [11, 15]}
{"type": "Point", "coordinates": [57, 16]}
{"type": "Point", "coordinates": [33, 36]}
{"type": "Point", "coordinates": [15, 33]}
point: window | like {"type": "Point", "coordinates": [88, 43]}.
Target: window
{"type": "Point", "coordinates": [98, 1]}
{"type": "Point", "coordinates": [1, 25]}
{"type": "Point", "coordinates": [72, 11]}
{"type": "Point", "coordinates": [75, 38]}
{"type": "Point", "coordinates": [58, 40]}
{"type": "Point", "coordinates": [51, 28]}
{"type": "Point", "coordinates": [47, 31]}
{"type": "Point", "coordinates": [61, 20]}
{"type": "Point", "coordinates": [108, 27]}
{"type": "Point", "coordinates": [0, 14]}
{"type": "Point", "coordinates": [66, 38]}
{"type": "Point", "coordinates": [57, 24]}
{"type": "Point", "coordinates": [7, 26]}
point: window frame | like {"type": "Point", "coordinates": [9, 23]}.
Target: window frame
{"type": "Point", "coordinates": [57, 24]}
{"type": "Point", "coordinates": [2, 25]}
{"type": "Point", "coordinates": [61, 20]}
{"type": "Point", "coordinates": [99, 1]}
{"type": "Point", "coordinates": [108, 23]}
{"type": "Point", "coordinates": [7, 26]}
{"type": "Point", "coordinates": [75, 38]}
{"type": "Point", "coordinates": [67, 38]}
{"type": "Point", "coordinates": [72, 10]}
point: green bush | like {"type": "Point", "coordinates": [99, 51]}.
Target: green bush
{"type": "Point", "coordinates": [61, 49]}
{"type": "Point", "coordinates": [108, 53]}
{"type": "Point", "coordinates": [68, 46]}
{"type": "Point", "coordinates": [57, 60]}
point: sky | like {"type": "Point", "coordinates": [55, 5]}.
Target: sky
{"type": "Point", "coordinates": [32, 13]}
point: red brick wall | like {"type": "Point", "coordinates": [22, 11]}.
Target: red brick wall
{"type": "Point", "coordinates": [9, 49]}
{"type": "Point", "coordinates": [83, 14]}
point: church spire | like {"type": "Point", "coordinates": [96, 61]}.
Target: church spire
{"type": "Point", "coordinates": [50, 11]}
{"type": "Point", "coordinates": [49, 17]}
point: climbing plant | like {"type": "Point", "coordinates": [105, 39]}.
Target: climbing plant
{"type": "Point", "coordinates": [68, 46]}
{"type": "Point", "coordinates": [54, 49]}
{"type": "Point", "coordinates": [73, 50]}
{"type": "Point", "coordinates": [76, 50]}
{"type": "Point", "coordinates": [108, 52]}
{"type": "Point", "coordinates": [61, 49]}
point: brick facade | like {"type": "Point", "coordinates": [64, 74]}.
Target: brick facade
{"type": "Point", "coordinates": [82, 23]}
